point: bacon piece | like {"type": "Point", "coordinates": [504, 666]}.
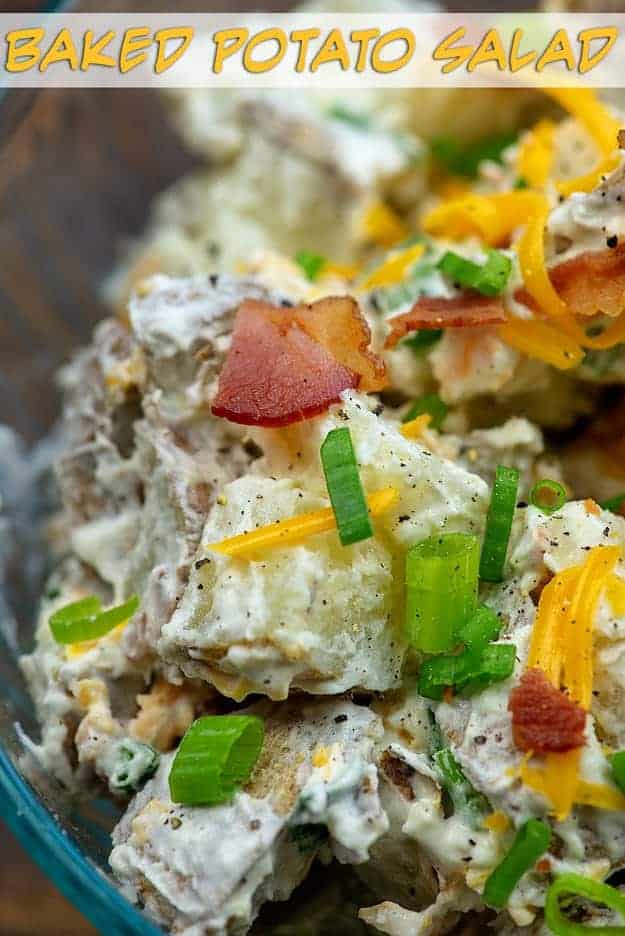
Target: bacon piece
{"type": "Point", "coordinates": [544, 719]}
{"type": "Point", "coordinates": [466, 310]}
{"type": "Point", "coordinates": [288, 364]}
{"type": "Point", "coordinates": [592, 283]}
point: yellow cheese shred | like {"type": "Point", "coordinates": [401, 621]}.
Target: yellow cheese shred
{"type": "Point", "coordinates": [383, 226]}
{"type": "Point", "coordinates": [497, 822]}
{"type": "Point", "coordinates": [585, 106]}
{"type": "Point", "coordinates": [295, 529]}
{"type": "Point", "coordinates": [590, 181]}
{"type": "Point", "coordinates": [535, 157]}
{"type": "Point", "coordinates": [542, 341]}
{"type": "Point", "coordinates": [493, 218]}
{"type": "Point", "coordinates": [561, 646]}
{"type": "Point", "coordinates": [531, 252]}
{"type": "Point", "coordinates": [414, 428]}
{"type": "Point", "coordinates": [394, 268]}
{"type": "Point", "coordinates": [615, 593]}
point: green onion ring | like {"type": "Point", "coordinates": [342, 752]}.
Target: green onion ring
{"type": "Point", "coordinates": [574, 885]}
{"type": "Point", "coordinates": [548, 496]}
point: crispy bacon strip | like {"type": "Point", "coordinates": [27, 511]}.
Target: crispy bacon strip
{"type": "Point", "coordinates": [466, 310]}
{"type": "Point", "coordinates": [544, 719]}
{"type": "Point", "coordinates": [590, 284]}
{"type": "Point", "coordinates": [289, 364]}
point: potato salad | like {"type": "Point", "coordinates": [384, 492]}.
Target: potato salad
{"type": "Point", "coordinates": [339, 590]}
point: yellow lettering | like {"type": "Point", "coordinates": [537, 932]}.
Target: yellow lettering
{"type": "Point", "coordinates": [227, 43]}
{"type": "Point", "coordinates": [61, 50]}
{"type": "Point", "coordinates": [23, 49]}
{"type": "Point", "coordinates": [303, 36]}
{"type": "Point", "coordinates": [519, 61]}
{"type": "Point", "coordinates": [92, 51]}
{"type": "Point", "coordinates": [265, 35]}
{"type": "Point", "coordinates": [384, 66]}
{"type": "Point", "coordinates": [558, 50]}
{"type": "Point", "coordinates": [135, 39]}
{"type": "Point", "coordinates": [363, 37]}
{"type": "Point", "coordinates": [162, 37]}
{"type": "Point", "coordinates": [586, 36]}
{"type": "Point", "coordinates": [332, 50]}
{"type": "Point", "coordinates": [490, 49]}
{"type": "Point", "coordinates": [458, 55]}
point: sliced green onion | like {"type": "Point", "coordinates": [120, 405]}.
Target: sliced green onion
{"type": "Point", "coordinates": [532, 840]}
{"type": "Point", "coordinates": [489, 278]}
{"type": "Point", "coordinates": [548, 495]}
{"type": "Point", "coordinates": [441, 590]}
{"type": "Point", "coordinates": [520, 183]}
{"type": "Point", "coordinates": [614, 504]}
{"type": "Point", "coordinates": [356, 118]}
{"type": "Point", "coordinates": [423, 339]}
{"type": "Point", "coordinates": [617, 763]}
{"type": "Point", "coordinates": [467, 672]}
{"type": "Point", "coordinates": [499, 523]}
{"type": "Point", "coordinates": [482, 627]}
{"type": "Point", "coordinates": [429, 403]}
{"type": "Point", "coordinates": [464, 158]}
{"type": "Point", "coordinates": [344, 487]}
{"type": "Point", "coordinates": [463, 795]}
{"type": "Point", "coordinates": [135, 763]}
{"type": "Point", "coordinates": [85, 620]}
{"type": "Point", "coordinates": [570, 885]}
{"type": "Point", "coordinates": [215, 757]}
{"type": "Point", "coordinates": [496, 664]}
{"type": "Point", "coordinates": [311, 263]}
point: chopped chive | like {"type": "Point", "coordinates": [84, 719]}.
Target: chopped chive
{"type": "Point", "coordinates": [617, 763]}
{"type": "Point", "coordinates": [429, 403]}
{"type": "Point", "coordinates": [482, 627]}
{"type": "Point", "coordinates": [463, 795]}
{"type": "Point", "coordinates": [496, 663]}
{"type": "Point", "coordinates": [614, 504]}
{"type": "Point", "coordinates": [344, 487]}
{"type": "Point", "coordinates": [489, 278]}
{"type": "Point", "coordinates": [467, 672]}
{"type": "Point", "coordinates": [311, 263]}
{"type": "Point", "coordinates": [499, 523]}
{"type": "Point", "coordinates": [521, 183]}
{"type": "Point", "coordinates": [357, 119]}
{"type": "Point", "coordinates": [570, 886]}
{"type": "Point", "coordinates": [464, 158]}
{"type": "Point", "coordinates": [532, 841]}
{"type": "Point", "coordinates": [548, 495]}
{"type": "Point", "coordinates": [423, 339]}
{"type": "Point", "coordinates": [215, 757]}
{"type": "Point", "coordinates": [135, 763]}
{"type": "Point", "coordinates": [441, 590]}
{"type": "Point", "coordinates": [85, 619]}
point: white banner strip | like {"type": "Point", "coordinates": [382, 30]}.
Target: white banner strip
{"type": "Point", "coordinates": [308, 50]}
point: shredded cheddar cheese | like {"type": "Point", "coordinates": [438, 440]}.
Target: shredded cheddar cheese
{"type": "Point", "coordinates": [383, 226]}
{"type": "Point", "coordinates": [531, 252]}
{"type": "Point", "coordinates": [348, 271]}
{"type": "Point", "coordinates": [595, 117]}
{"type": "Point", "coordinates": [615, 593]}
{"type": "Point", "coordinates": [414, 428]}
{"type": "Point", "coordinates": [561, 646]}
{"type": "Point", "coordinates": [497, 822]}
{"type": "Point", "coordinates": [493, 218]}
{"type": "Point", "coordinates": [394, 268]}
{"type": "Point", "coordinates": [543, 341]}
{"type": "Point", "coordinates": [295, 529]}
{"type": "Point", "coordinates": [536, 155]}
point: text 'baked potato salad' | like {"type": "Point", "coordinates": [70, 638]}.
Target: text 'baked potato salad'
{"type": "Point", "coordinates": [341, 555]}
